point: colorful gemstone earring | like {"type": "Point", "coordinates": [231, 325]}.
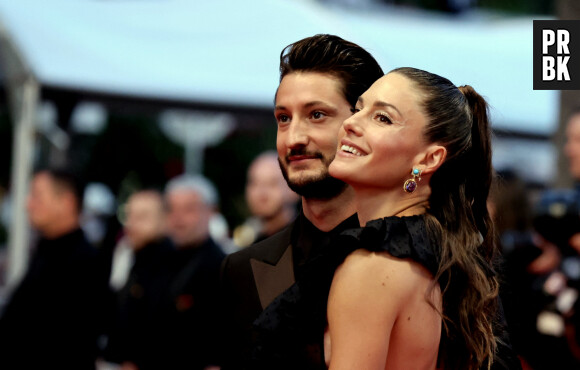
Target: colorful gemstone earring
{"type": "Point", "coordinates": [411, 184]}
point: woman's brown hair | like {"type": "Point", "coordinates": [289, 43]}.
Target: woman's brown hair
{"type": "Point", "coordinates": [458, 218]}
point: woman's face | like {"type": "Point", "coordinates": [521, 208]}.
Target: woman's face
{"type": "Point", "coordinates": [382, 141]}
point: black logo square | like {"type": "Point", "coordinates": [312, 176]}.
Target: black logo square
{"type": "Point", "coordinates": [556, 55]}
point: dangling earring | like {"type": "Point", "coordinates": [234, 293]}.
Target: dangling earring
{"type": "Point", "coordinates": [411, 184]}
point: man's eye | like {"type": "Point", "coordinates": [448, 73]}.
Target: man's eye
{"type": "Point", "coordinates": [317, 115]}
{"type": "Point", "coordinates": [282, 118]}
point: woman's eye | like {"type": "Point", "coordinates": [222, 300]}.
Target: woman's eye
{"type": "Point", "coordinates": [383, 118]}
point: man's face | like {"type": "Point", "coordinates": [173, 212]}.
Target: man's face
{"type": "Point", "coordinates": [572, 148]}
{"type": "Point", "coordinates": [187, 217]}
{"type": "Point", "coordinates": [145, 219]}
{"type": "Point", "coordinates": [45, 202]}
{"type": "Point", "coordinates": [310, 109]}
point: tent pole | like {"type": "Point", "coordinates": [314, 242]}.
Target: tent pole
{"type": "Point", "coordinates": [22, 163]}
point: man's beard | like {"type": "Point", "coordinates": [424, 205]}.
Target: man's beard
{"type": "Point", "coordinates": [320, 186]}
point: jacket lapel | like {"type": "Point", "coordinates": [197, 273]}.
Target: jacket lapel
{"type": "Point", "coordinates": [272, 280]}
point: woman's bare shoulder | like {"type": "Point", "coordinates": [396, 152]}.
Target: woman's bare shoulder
{"type": "Point", "coordinates": [380, 270]}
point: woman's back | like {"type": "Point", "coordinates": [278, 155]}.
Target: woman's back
{"type": "Point", "coordinates": [383, 312]}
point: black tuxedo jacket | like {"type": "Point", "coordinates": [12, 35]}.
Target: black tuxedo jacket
{"type": "Point", "coordinates": [254, 276]}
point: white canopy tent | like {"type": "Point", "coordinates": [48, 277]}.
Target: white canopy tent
{"type": "Point", "coordinates": [225, 52]}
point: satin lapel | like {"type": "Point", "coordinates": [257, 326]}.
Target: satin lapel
{"type": "Point", "coordinates": [272, 280]}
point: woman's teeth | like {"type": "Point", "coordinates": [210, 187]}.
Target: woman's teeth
{"type": "Point", "coordinates": [350, 149]}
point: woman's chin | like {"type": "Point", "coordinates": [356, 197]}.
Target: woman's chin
{"type": "Point", "coordinates": [339, 171]}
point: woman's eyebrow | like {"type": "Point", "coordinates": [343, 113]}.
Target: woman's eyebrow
{"type": "Point", "coordinates": [383, 104]}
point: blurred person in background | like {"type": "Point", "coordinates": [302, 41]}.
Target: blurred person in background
{"type": "Point", "coordinates": [189, 310]}
{"type": "Point", "coordinates": [135, 328]}
{"type": "Point", "coordinates": [53, 317]}
{"type": "Point", "coordinates": [543, 271]}
{"type": "Point", "coordinates": [271, 202]}
{"type": "Point", "coordinates": [534, 285]}
{"type": "Point", "coordinates": [572, 146]}
{"type": "Point", "coordinates": [572, 255]}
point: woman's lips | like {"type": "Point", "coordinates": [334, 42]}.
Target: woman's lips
{"type": "Point", "coordinates": [351, 148]}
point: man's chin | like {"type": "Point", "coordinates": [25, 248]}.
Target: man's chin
{"type": "Point", "coordinates": [318, 188]}
{"type": "Point", "coordinates": [314, 183]}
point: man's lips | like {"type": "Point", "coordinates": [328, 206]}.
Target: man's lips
{"type": "Point", "coordinates": [301, 157]}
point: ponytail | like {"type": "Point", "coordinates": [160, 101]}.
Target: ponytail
{"type": "Point", "coordinates": [478, 158]}
{"type": "Point", "coordinates": [458, 219]}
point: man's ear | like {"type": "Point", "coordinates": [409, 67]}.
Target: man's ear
{"type": "Point", "coordinates": [433, 158]}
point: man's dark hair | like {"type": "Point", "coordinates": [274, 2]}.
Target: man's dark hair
{"type": "Point", "coordinates": [352, 64]}
{"type": "Point", "coordinates": [67, 180]}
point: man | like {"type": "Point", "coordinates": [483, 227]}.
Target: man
{"type": "Point", "coordinates": [52, 318]}
{"type": "Point", "coordinates": [270, 200]}
{"type": "Point", "coordinates": [134, 328]}
{"type": "Point", "coordinates": [321, 79]}
{"type": "Point", "coordinates": [191, 299]}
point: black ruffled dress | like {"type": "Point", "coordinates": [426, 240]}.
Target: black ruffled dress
{"type": "Point", "coordinates": [290, 331]}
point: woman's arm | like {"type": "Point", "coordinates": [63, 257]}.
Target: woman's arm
{"type": "Point", "coordinates": [366, 298]}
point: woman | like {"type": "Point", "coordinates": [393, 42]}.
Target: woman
{"type": "Point", "coordinates": [420, 292]}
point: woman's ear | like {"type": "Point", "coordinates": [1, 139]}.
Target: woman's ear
{"type": "Point", "coordinates": [433, 158]}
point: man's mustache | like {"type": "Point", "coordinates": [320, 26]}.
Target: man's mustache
{"type": "Point", "coordinates": [302, 152]}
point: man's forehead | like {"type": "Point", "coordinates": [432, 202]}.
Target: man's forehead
{"type": "Point", "coordinates": [182, 195]}
{"type": "Point", "coordinates": [146, 198]}
{"type": "Point", "coordinates": [309, 88]}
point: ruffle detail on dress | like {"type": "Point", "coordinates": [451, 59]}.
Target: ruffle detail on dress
{"type": "Point", "coordinates": [401, 237]}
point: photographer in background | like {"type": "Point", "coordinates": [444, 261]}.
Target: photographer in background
{"type": "Point", "coordinates": [543, 272]}
{"type": "Point", "coordinates": [531, 275]}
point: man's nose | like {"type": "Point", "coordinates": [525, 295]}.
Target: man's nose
{"type": "Point", "coordinates": [297, 134]}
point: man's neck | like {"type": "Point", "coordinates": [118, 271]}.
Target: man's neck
{"type": "Point", "coordinates": [326, 214]}
{"type": "Point", "coordinates": [193, 244]}
{"type": "Point", "coordinates": [65, 226]}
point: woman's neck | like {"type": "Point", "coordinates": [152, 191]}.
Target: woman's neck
{"type": "Point", "coordinates": [372, 204]}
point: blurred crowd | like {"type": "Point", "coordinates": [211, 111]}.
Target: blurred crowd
{"type": "Point", "coordinates": [539, 232]}
{"type": "Point", "coordinates": [139, 287]}
{"type": "Point", "coordinates": [133, 289]}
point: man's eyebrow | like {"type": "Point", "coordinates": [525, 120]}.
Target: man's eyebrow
{"type": "Point", "coordinates": [316, 102]}
{"type": "Point", "coordinates": [307, 105]}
